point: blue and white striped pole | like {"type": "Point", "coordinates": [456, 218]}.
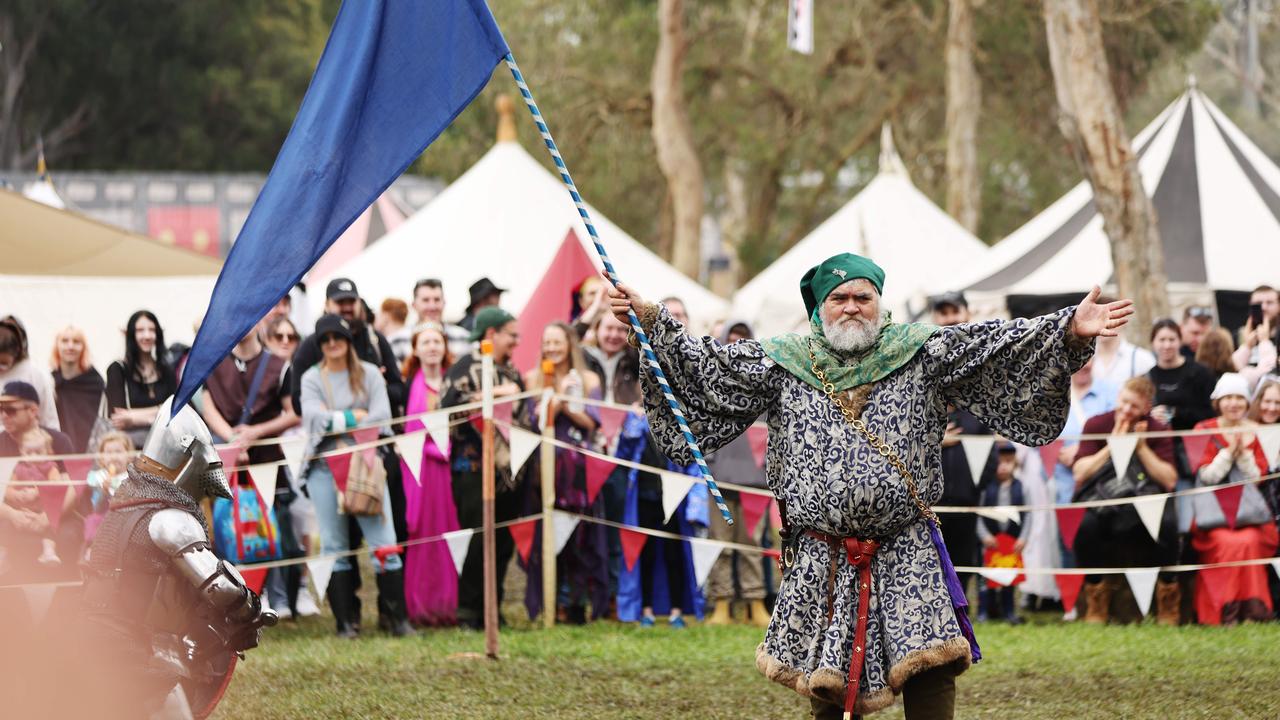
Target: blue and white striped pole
{"type": "Point", "coordinates": [652, 359]}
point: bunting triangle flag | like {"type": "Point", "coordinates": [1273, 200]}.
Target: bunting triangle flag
{"type": "Point", "coordinates": [522, 534]}
{"type": "Point", "coordinates": [775, 515]}
{"type": "Point", "coordinates": [1069, 585]}
{"type": "Point", "coordinates": [705, 554]}
{"type": "Point", "coordinates": [1049, 456]}
{"type": "Point", "coordinates": [598, 472]}
{"type": "Point", "coordinates": [523, 443]}
{"type": "Point", "coordinates": [758, 436]}
{"type": "Point", "coordinates": [364, 436]}
{"type": "Point", "coordinates": [502, 418]}
{"type": "Point", "coordinates": [78, 468]}
{"type": "Point", "coordinates": [1229, 499]}
{"type": "Point", "coordinates": [999, 575]}
{"type": "Point", "coordinates": [321, 569]}
{"type": "Point", "coordinates": [1143, 584]}
{"type": "Point", "coordinates": [674, 487]}
{"type": "Point", "coordinates": [228, 454]}
{"type": "Point", "coordinates": [459, 541]}
{"type": "Point", "coordinates": [293, 449]}
{"type": "Point", "coordinates": [340, 466]}
{"type": "Point", "coordinates": [39, 598]}
{"type": "Point", "coordinates": [976, 451]}
{"type": "Point", "coordinates": [438, 428]}
{"type": "Point", "coordinates": [53, 498]}
{"type": "Point", "coordinates": [254, 578]}
{"type": "Point", "coordinates": [264, 476]}
{"type": "Point", "coordinates": [633, 544]}
{"type": "Point", "coordinates": [754, 506]}
{"type": "Point", "coordinates": [1122, 447]}
{"type": "Point", "coordinates": [1069, 524]}
{"type": "Point", "coordinates": [1000, 513]}
{"type": "Point", "coordinates": [410, 446]}
{"type": "Point", "coordinates": [1151, 510]}
{"type": "Point", "coordinates": [1275, 565]}
{"type": "Point", "coordinates": [1269, 437]}
{"type": "Point", "coordinates": [564, 524]}
{"type": "Point", "coordinates": [6, 471]}
{"type": "Point", "coordinates": [1195, 445]}
{"type": "Point", "coordinates": [611, 421]}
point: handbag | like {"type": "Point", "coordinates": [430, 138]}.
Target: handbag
{"type": "Point", "coordinates": [245, 530]}
{"type": "Point", "coordinates": [1107, 484]}
{"type": "Point", "coordinates": [366, 481]}
{"type": "Point", "coordinates": [1254, 508]}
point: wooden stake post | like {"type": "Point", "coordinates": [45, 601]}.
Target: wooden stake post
{"type": "Point", "coordinates": [487, 494]}
{"type": "Point", "coordinates": [547, 468]}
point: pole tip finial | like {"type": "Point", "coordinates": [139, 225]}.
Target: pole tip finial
{"type": "Point", "coordinates": [486, 347]}
{"type": "Point", "coordinates": [506, 118]}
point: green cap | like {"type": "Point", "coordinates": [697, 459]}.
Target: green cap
{"type": "Point", "coordinates": [836, 270]}
{"type": "Point", "coordinates": [489, 317]}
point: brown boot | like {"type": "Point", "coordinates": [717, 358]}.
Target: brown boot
{"type": "Point", "coordinates": [759, 615]}
{"type": "Point", "coordinates": [1098, 596]}
{"type": "Point", "coordinates": [723, 614]}
{"type": "Point", "coordinates": [1168, 602]}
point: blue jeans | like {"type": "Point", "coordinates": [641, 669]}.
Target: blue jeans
{"type": "Point", "coordinates": [378, 530]}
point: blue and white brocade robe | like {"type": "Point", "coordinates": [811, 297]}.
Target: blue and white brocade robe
{"type": "Point", "coordinates": [1014, 376]}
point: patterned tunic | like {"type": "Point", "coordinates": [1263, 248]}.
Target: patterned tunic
{"type": "Point", "coordinates": [1014, 376]}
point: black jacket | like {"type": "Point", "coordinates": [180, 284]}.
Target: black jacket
{"type": "Point", "coordinates": [370, 346]}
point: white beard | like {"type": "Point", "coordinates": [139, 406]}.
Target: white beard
{"type": "Point", "coordinates": [849, 335]}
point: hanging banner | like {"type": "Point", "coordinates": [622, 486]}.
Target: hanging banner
{"type": "Point", "coordinates": [523, 443]}
{"type": "Point", "coordinates": [1269, 438]}
{"type": "Point", "coordinates": [364, 436]}
{"type": "Point", "coordinates": [1122, 447]}
{"type": "Point", "coordinates": [1151, 510]}
{"type": "Point", "coordinates": [1143, 584]}
{"type": "Point", "coordinates": [564, 525]}
{"type": "Point", "coordinates": [1049, 456]}
{"type": "Point", "coordinates": [522, 534]}
{"type": "Point", "coordinates": [611, 422]}
{"type": "Point", "coordinates": [1069, 524]}
{"type": "Point", "coordinates": [598, 472]}
{"type": "Point", "coordinates": [633, 544]}
{"type": "Point", "coordinates": [1195, 445]}
{"type": "Point", "coordinates": [705, 554]}
{"type": "Point", "coordinates": [438, 428]}
{"type": "Point", "coordinates": [39, 598]}
{"type": "Point", "coordinates": [293, 449]}
{"type": "Point", "coordinates": [410, 446]}
{"type": "Point", "coordinates": [976, 451]}
{"type": "Point", "coordinates": [78, 467]}
{"type": "Point", "coordinates": [1069, 585]}
{"type": "Point", "coordinates": [321, 569]}
{"type": "Point", "coordinates": [758, 437]}
{"type": "Point", "coordinates": [753, 509]}
{"type": "Point", "coordinates": [459, 541]}
{"type": "Point", "coordinates": [263, 476]}
{"type": "Point", "coordinates": [340, 467]}
{"type": "Point", "coordinates": [1229, 499]}
{"type": "Point", "coordinates": [674, 487]}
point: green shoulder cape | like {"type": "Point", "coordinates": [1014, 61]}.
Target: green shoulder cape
{"type": "Point", "coordinates": [896, 345]}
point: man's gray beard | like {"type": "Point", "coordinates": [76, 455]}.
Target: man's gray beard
{"type": "Point", "coordinates": [852, 336]}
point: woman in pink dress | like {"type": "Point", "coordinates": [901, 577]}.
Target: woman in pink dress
{"type": "Point", "coordinates": [431, 583]}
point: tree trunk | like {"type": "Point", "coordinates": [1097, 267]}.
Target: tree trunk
{"type": "Point", "coordinates": [1252, 79]}
{"type": "Point", "coordinates": [964, 100]}
{"type": "Point", "coordinates": [673, 138]}
{"type": "Point", "coordinates": [1089, 118]}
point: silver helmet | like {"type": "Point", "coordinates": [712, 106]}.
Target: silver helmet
{"type": "Point", "coordinates": [184, 447]}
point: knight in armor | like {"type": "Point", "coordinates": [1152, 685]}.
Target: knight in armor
{"type": "Point", "coordinates": [164, 617]}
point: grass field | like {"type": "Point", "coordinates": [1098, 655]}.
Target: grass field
{"type": "Point", "coordinates": [1044, 669]}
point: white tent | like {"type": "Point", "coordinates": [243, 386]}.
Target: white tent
{"type": "Point", "coordinates": [1216, 196]}
{"type": "Point", "coordinates": [504, 219]}
{"type": "Point", "coordinates": [890, 221]}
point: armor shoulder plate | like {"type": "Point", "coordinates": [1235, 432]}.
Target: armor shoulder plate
{"type": "Point", "coordinates": [175, 532]}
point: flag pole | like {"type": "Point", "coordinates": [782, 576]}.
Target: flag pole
{"type": "Point", "coordinates": [547, 471]}
{"type": "Point", "coordinates": [487, 494]}
{"type": "Point", "coordinates": [646, 350]}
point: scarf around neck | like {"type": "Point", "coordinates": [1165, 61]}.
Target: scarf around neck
{"type": "Point", "coordinates": [895, 346]}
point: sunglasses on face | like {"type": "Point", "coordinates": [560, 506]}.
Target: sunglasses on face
{"type": "Point", "coordinates": [331, 337]}
{"type": "Point", "coordinates": [11, 409]}
{"type": "Point", "coordinates": [286, 337]}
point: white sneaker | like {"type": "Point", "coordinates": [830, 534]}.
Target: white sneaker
{"type": "Point", "coordinates": [49, 557]}
{"type": "Point", "coordinates": [306, 604]}
{"type": "Point", "coordinates": [1070, 616]}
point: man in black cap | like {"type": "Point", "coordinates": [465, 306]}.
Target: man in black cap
{"type": "Point", "coordinates": [483, 294]}
{"type": "Point", "coordinates": [949, 308]}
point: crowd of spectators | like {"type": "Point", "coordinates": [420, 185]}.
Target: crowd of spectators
{"type": "Point", "coordinates": [357, 369]}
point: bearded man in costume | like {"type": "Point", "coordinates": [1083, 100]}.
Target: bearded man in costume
{"type": "Point", "coordinates": [869, 606]}
{"type": "Point", "coordinates": [164, 618]}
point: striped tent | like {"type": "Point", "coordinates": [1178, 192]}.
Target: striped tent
{"type": "Point", "coordinates": [1217, 197]}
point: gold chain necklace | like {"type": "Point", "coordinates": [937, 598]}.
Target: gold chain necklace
{"type": "Point", "coordinates": [880, 446]}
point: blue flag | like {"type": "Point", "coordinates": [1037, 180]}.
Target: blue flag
{"type": "Point", "coordinates": [393, 75]}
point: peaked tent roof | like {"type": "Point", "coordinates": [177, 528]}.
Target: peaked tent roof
{"type": "Point", "coordinates": [504, 219]}
{"type": "Point", "coordinates": [1216, 195]}
{"type": "Point", "coordinates": [891, 222]}
{"type": "Point", "coordinates": [380, 218]}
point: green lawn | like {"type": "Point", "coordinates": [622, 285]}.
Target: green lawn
{"type": "Point", "coordinates": [1045, 669]}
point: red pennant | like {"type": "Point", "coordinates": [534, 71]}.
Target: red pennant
{"type": "Point", "coordinates": [632, 544]}
{"type": "Point", "coordinates": [1229, 499]}
{"type": "Point", "coordinates": [78, 468]}
{"type": "Point", "coordinates": [367, 435]}
{"type": "Point", "coordinates": [753, 509]}
{"type": "Point", "coordinates": [598, 470]}
{"type": "Point", "coordinates": [758, 436]}
{"type": "Point", "coordinates": [1069, 524]}
{"type": "Point", "coordinates": [228, 456]}
{"type": "Point", "coordinates": [1195, 445]}
{"type": "Point", "coordinates": [340, 466]}
{"type": "Point", "coordinates": [522, 533]}
{"type": "Point", "coordinates": [53, 497]}
{"type": "Point", "coordinates": [611, 422]}
{"type": "Point", "coordinates": [502, 418]}
{"type": "Point", "coordinates": [1069, 586]}
{"type": "Point", "coordinates": [254, 579]}
{"type": "Point", "coordinates": [1049, 456]}
{"type": "Point", "coordinates": [775, 515]}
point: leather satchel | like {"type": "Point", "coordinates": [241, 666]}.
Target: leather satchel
{"type": "Point", "coordinates": [366, 481]}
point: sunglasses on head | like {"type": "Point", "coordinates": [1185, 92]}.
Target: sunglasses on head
{"type": "Point", "coordinates": [1199, 312]}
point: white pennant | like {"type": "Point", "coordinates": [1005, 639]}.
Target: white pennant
{"type": "Point", "coordinates": [1151, 510]}
{"type": "Point", "coordinates": [459, 541]}
{"type": "Point", "coordinates": [1122, 447]}
{"type": "Point", "coordinates": [321, 570]}
{"type": "Point", "coordinates": [1275, 565]}
{"type": "Point", "coordinates": [1000, 513]}
{"type": "Point", "coordinates": [39, 597]}
{"type": "Point", "coordinates": [410, 447]}
{"type": "Point", "coordinates": [438, 428]}
{"type": "Point", "coordinates": [674, 487]}
{"type": "Point", "coordinates": [263, 476]}
{"type": "Point", "coordinates": [293, 448]}
{"type": "Point", "coordinates": [976, 451]}
{"type": "Point", "coordinates": [523, 443]}
{"type": "Point", "coordinates": [6, 471]}
{"type": "Point", "coordinates": [1000, 576]}
{"type": "Point", "coordinates": [1143, 585]}
{"type": "Point", "coordinates": [705, 554]}
{"type": "Point", "coordinates": [1269, 437]}
{"type": "Point", "coordinates": [564, 524]}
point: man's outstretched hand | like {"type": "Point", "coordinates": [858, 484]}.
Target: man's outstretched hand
{"type": "Point", "coordinates": [1094, 320]}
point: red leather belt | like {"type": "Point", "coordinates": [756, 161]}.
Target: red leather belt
{"type": "Point", "coordinates": [859, 552]}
